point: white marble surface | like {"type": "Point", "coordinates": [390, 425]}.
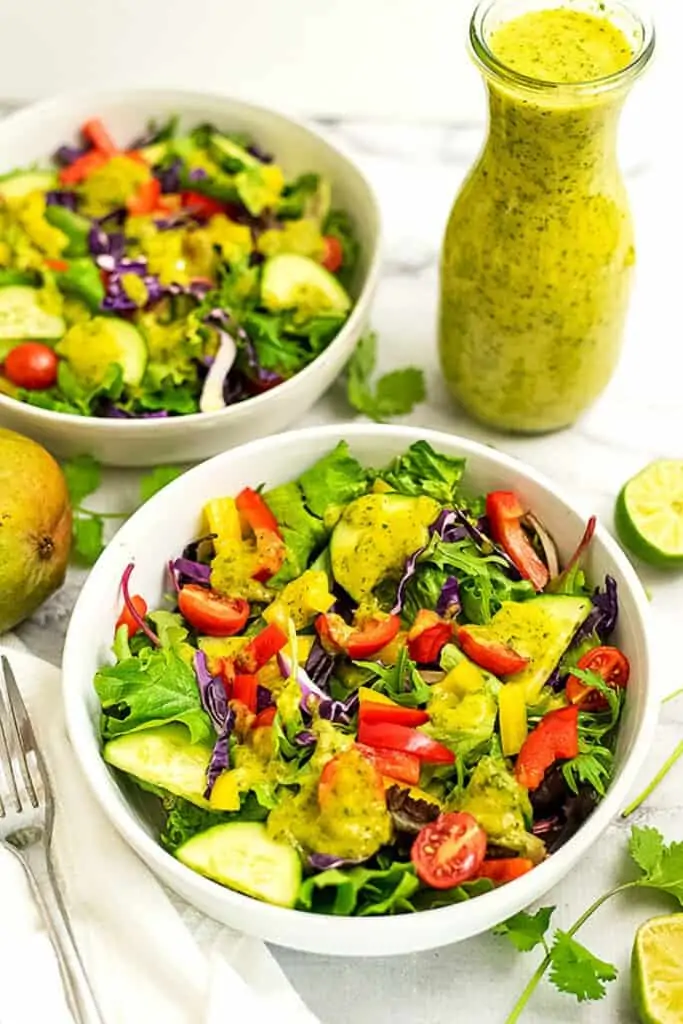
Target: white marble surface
{"type": "Point", "coordinates": [416, 171]}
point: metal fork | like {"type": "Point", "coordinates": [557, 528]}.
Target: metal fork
{"type": "Point", "coordinates": [26, 822]}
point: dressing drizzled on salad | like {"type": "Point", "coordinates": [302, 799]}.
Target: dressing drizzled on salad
{"type": "Point", "coordinates": [372, 691]}
{"type": "Point", "coordinates": [177, 275]}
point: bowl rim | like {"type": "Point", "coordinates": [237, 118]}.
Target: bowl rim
{"type": "Point", "coordinates": [493, 906]}
{"type": "Point", "coordinates": [44, 108]}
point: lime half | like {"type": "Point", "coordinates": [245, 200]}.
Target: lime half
{"type": "Point", "coordinates": [657, 971]}
{"type": "Point", "coordinates": [649, 514]}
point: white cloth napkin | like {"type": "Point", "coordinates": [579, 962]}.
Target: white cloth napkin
{"type": "Point", "coordinates": [144, 965]}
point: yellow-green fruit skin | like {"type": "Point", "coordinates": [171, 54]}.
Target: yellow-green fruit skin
{"type": "Point", "coordinates": [35, 527]}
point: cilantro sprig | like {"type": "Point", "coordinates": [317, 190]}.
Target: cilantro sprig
{"type": "Point", "coordinates": [572, 967]}
{"type": "Point", "coordinates": [83, 476]}
{"type": "Point", "coordinates": [394, 394]}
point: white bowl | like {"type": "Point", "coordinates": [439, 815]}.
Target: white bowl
{"type": "Point", "coordinates": [35, 133]}
{"type": "Point", "coordinates": [159, 530]}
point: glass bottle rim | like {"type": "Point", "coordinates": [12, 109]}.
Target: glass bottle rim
{"type": "Point", "coordinates": [492, 66]}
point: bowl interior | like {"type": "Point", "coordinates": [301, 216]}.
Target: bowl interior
{"type": "Point", "coordinates": [158, 532]}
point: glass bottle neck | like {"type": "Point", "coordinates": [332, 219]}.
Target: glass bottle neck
{"type": "Point", "coordinates": [547, 143]}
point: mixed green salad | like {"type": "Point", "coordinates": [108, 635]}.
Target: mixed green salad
{"type": "Point", "coordinates": [180, 274]}
{"type": "Point", "coordinates": [371, 692]}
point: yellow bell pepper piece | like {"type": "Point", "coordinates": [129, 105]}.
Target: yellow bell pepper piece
{"type": "Point", "coordinates": [225, 794]}
{"type": "Point", "coordinates": [368, 696]}
{"type": "Point", "coordinates": [301, 600]}
{"type": "Point", "coordinates": [223, 519]}
{"type": "Point", "coordinates": [512, 716]}
{"type": "Point", "coordinates": [217, 647]}
{"type": "Point", "coordinates": [463, 679]}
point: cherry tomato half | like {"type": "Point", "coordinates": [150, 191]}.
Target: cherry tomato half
{"type": "Point", "coordinates": [32, 366]}
{"type": "Point", "coordinates": [607, 662]}
{"type": "Point", "coordinates": [211, 613]}
{"type": "Point", "coordinates": [126, 617]}
{"type": "Point", "coordinates": [449, 850]}
{"type": "Point", "coordinates": [334, 254]}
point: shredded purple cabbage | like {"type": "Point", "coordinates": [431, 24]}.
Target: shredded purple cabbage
{"type": "Point", "coordinates": [191, 550]}
{"type": "Point", "coordinates": [337, 711]}
{"type": "Point", "coordinates": [449, 604]}
{"type": "Point", "coordinates": [67, 155]}
{"type": "Point", "coordinates": [61, 197]}
{"type": "Point", "coordinates": [211, 691]}
{"type": "Point", "coordinates": [190, 571]}
{"type": "Point", "coordinates": [104, 244]}
{"type": "Point", "coordinates": [448, 527]}
{"type": "Point", "coordinates": [117, 299]}
{"type": "Point", "coordinates": [264, 698]}
{"type": "Point", "coordinates": [305, 738]}
{"type": "Point", "coordinates": [215, 702]}
{"type": "Point", "coordinates": [169, 176]}
{"type": "Point", "coordinates": [260, 154]}
{"type": "Point", "coordinates": [220, 757]}
{"type": "Point", "coordinates": [198, 174]}
{"type": "Point", "coordinates": [326, 861]}
{"type": "Point", "coordinates": [603, 617]}
{"type": "Point", "coordinates": [319, 665]}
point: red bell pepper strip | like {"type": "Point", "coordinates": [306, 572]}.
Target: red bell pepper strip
{"type": "Point", "coordinates": [428, 635]}
{"type": "Point", "coordinates": [98, 136]}
{"type": "Point", "coordinates": [370, 712]}
{"type": "Point", "coordinates": [505, 512]}
{"type": "Point", "coordinates": [395, 764]}
{"type": "Point", "coordinates": [261, 648]}
{"type": "Point", "coordinates": [265, 718]}
{"type": "Point", "coordinates": [245, 689]}
{"type": "Point", "coordinates": [146, 199]}
{"type": "Point", "coordinates": [489, 654]}
{"type": "Point", "coordinates": [59, 266]}
{"type": "Point", "coordinates": [83, 167]}
{"type": "Point", "coordinates": [252, 507]}
{"type": "Point", "coordinates": [401, 737]}
{"type": "Point", "coordinates": [202, 206]}
{"type": "Point", "coordinates": [555, 737]}
{"type": "Point", "coordinates": [505, 869]}
{"type": "Point", "coordinates": [126, 618]}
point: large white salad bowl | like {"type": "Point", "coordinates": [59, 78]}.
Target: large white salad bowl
{"type": "Point", "coordinates": [33, 135]}
{"type": "Point", "coordinates": [159, 531]}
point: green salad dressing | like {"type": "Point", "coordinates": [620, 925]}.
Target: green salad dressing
{"type": "Point", "coordinates": [538, 252]}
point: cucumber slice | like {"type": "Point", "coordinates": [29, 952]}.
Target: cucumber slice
{"type": "Point", "coordinates": [24, 182]}
{"type": "Point", "coordinates": [375, 536]}
{"type": "Point", "coordinates": [541, 630]}
{"type": "Point", "coordinates": [297, 282]}
{"type": "Point", "coordinates": [91, 347]}
{"type": "Point", "coordinates": [163, 757]}
{"type": "Point", "coordinates": [242, 856]}
{"type": "Point", "coordinates": [22, 316]}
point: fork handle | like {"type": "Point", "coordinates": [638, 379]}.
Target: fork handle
{"type": "Point", "coordinates": [40, 872]}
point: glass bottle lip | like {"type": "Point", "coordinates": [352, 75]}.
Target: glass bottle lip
{"type": "Point", "coordinates": [492, 66]}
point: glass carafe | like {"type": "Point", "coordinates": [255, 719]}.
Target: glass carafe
{"type": "Point", "coordinates": [538, 253]}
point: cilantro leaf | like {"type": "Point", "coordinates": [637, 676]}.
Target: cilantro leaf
{"type": "Point", "coordinates": [87, 538]}
{"type": "Point", "coordinates": [526, 931]}
{"type": "Point", "coordinates": [395, 393]}
{"type": "Point", "coordinates": [83, 475]}
{"type": "Point", "coordinates": [575, 970]}
{"type": "Point", "coordinates": [646, 846]}
{"type": "Point", "coordinates": [157, 479]}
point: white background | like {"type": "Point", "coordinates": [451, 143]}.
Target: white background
{"type": "Point", "coordinates": [380, 58]}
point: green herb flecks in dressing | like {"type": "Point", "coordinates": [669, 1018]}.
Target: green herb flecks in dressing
{"type": "Point", "coordinates": [538, 252]}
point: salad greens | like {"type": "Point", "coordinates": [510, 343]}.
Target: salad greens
{"type": "Point", "coordinates": [176, 275]}
{"type": "Point", "coordinates": [357, 684]}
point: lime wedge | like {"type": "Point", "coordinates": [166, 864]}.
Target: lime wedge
{"type": "Point", "coordinates": [657, 971]}
{"type": "Point", "coordinates": [649, 514]}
